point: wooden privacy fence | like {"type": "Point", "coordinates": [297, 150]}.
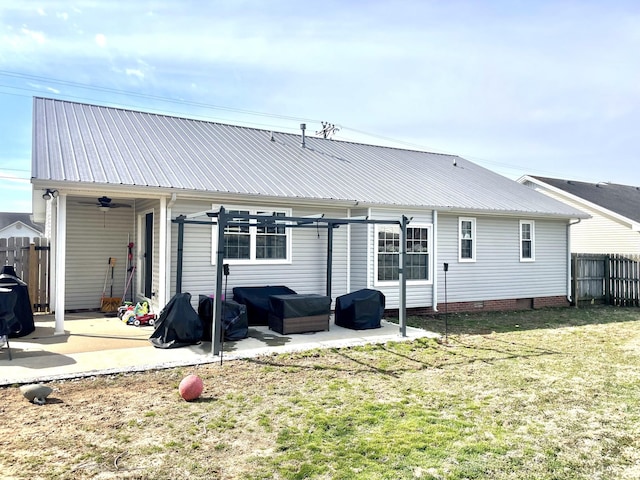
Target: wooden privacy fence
{"type": "Point", "coordinates": [30, 259]}
{"type": "Point", "coordinates": [609, 279]}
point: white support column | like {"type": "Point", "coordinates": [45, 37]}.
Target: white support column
{"type": "Point", "coordinates": [61, 260]}
{"type": "Point", "coordinates": [162, 254]}
{"type": "Point", "coordinates": [169, 246]}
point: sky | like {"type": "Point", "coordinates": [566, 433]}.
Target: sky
{"type": "Point", "coordinates": [549, 88]}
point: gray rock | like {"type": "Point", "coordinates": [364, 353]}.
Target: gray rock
{"type": "Point", "coordinates": [36, 392]}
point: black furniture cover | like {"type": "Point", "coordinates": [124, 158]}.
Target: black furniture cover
{"type": "Point", "coordinates": [294, 305]}
{"type": "Point", "coordinates": [178, 324]}
{"type": "Point", "coordinates": [257, 301]}
{"type": "Point", "coordinates": [20, 315]}
{"type": "Point", "coordinates": [234, 319]}
{"type": "Point", "coordinates": [360, 310]}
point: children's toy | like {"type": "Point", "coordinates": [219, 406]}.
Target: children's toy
{"type": "Point", "coordinates": [137, 314]}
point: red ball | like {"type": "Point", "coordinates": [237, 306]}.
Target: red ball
{"type": "Point", "coordinates": [190, 387]}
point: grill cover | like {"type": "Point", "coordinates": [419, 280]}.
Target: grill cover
{"type": "Point", "coordinates": [178, 324]}
{"type": "Point", "coordinates": [15, 305]}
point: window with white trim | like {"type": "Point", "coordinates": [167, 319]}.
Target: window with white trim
{"type": "Point", "coordinates": [466, 239]}
{"type": "Point", "coordinates": [527, 241]}
{"type": "Point", "coordinates": [250, 242]}
{"type": "Point", "coordinates": [418, 254]}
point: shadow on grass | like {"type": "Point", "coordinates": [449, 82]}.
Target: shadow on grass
{"type": "Point", "coordinates": [483, 323]}
{"type": "Point", "coordinates": [425, 354]}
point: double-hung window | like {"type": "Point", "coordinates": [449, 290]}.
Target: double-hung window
{"type": "Point", "coordinates": [256, 240]}
{"type": "Point", "coordinates": [418, 254]}
{"type": "Point", "coordinates": [466, 239]}
{"type": "Point", "coordinates": [527, 241]}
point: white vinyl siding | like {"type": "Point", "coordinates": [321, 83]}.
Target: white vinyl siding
{"type": "Point", "coordinates": [358, 252]}
{"type": "Point", "coordinates": [305, 273]}
{"type": "Point", "coordinates": [527, 241]}
{"type": "Point", "coordinates": [498, 272]}
{"type": "Point", "coordinates": [93, 237]}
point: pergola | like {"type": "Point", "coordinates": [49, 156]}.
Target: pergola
{"type": "Point", "coordinates": [222, 218]}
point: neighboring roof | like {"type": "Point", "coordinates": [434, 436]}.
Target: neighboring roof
{"type": "Point", "coordinates": [9, 218]}
{"type": "Point", "coordinates": [98, 145]}
{"type": "Point", "coordinates": [623, 200]}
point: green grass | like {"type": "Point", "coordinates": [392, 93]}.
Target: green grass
{"type": "Point", "coordinates": [545, 395]}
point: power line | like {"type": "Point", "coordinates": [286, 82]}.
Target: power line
{"type": "Point", "coordinates": [149, 96]}
{"type": "Point", "coordinates": [209, 106]}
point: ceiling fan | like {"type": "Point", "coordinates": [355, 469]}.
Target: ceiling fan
{"type": "Point", "coordinates": [105, 204]}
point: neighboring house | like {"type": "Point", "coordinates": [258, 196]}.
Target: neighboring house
{"type": "Point", "coordinates": [506, 245]}
{"type": "Point", "coordinates": [19, 225]}
{"type": "Point", "coordinates": [614, 226]}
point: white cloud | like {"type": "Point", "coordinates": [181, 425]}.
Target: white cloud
{"type": "Point", "coordinates": [37, 36]}
{"type": "Point", "coordinates": [134, 72]}
{"type": "Point", "coordinates": [64, 16]}
{"type": "Point", "coordinates": [101, 40]}
{"type": "Point", "coordinates": [37, 86]}
{"type": "Point", "coordinates": [41, 12]}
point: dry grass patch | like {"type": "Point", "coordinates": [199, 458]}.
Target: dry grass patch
{"type": "Point", "coordinates": [548, 394]}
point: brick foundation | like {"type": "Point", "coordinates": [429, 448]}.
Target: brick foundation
{"type": "Point", "coordinates": [508, 304]}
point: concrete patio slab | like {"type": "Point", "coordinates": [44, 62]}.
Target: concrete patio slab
{"type": "Point", "coordinates": [94, 345]}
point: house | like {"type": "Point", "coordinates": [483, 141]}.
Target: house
{"type": "Point", "coordinates": [118, 177]}
{"type": "Point", "coordinates": [19, 225]}
{"type": "Point", "coordinates": [614, 210]}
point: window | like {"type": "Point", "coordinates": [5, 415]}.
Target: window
{"type": "Point", "coordinates": [271, 240]}
{"type": "Point", "coordinates": [527, 238]}
{"type": "Point", "coordinates": [467, 239]}
{"type": "Point", "coordinates": [249, 242]}
{"type": "Point", "coordinates": [237, 239]}
{"type": "Point", "coordinates": [417, 253]}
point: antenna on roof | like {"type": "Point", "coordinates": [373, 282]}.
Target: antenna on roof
{"type": "Point", "coordinates": [303, 127]}
{"type": "Point", "coordinates": [328, 130]}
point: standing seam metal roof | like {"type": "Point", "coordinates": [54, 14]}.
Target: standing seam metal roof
{"type": "Point", "coordinates": [90, 144]}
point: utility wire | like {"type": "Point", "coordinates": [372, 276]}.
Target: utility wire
{"type": "Point", "coordinates": [209, 106]}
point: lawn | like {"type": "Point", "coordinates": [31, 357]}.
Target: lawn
{"type": "Point", "coordinates": [545, 394]}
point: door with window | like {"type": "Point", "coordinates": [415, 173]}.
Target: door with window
{"type": "Point", "coordinates": [147, 255]}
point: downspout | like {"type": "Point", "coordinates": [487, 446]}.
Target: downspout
{"type": "Point", "coordinates": [569, 258]}
{"type": "Point", "coordinates": [434, 263]}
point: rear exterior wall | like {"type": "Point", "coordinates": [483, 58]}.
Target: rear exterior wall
{"type": "Point", "coordinates": [498, 274]}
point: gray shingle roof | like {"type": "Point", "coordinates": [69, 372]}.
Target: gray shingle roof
{"type": "Point", "coordinates": [621, 199]}
{"type": "Point", "coordinates": [91, 144]}
{"type": "Point", "coordinates": [9, 218]}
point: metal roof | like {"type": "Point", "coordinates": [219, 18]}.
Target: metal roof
{"type": "Point", "coordinates": [90, 144]}
{"type": "Point", "coordinates": [621, 199]}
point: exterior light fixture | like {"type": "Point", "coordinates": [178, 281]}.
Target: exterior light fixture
{"type": "Point", "coordinates": [49, 194]}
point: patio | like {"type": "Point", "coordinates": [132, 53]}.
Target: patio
{"type": "Point", "coordinates": [95, 344]}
